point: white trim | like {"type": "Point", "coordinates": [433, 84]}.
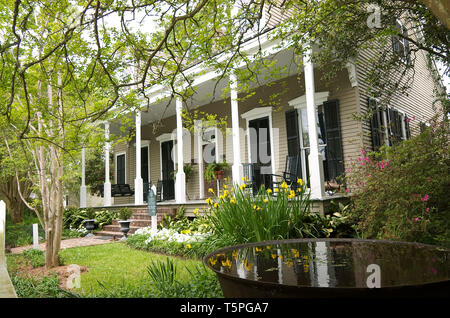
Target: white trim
{"type": "Point", "coordinates": [166, 137]}
{"type": "Point", "coordinates": [258, 113]}
{"type": "Point", "coordinates": [300, 102]}
{"type": "Point", "coordinates": [116, 154]}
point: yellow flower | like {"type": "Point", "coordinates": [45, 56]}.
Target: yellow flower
{"type": "Point", "coordinates": [268, 247]}
{"type": "Point", "coordinates": [233, 201]}
{"type": "Point", "coordinates": [235, 254]}
{"type": "Point", "coordinates": [266, 200]}
{"type": "Point", "coordinates": [300, 181]}
{"type": "Point", "coordinates": [195, 211]}
{"type": "Point", "coordinates": [188, 246]}
{"type": "Point", "coordinates": [299, 190]}
{"type": "Point", "coordinates": [225, 186]}
{"type": "Point", "coordinates": [226, 263]}
{"type": "Point", "coordinates": [210, 190]}
{"type": "Point", "coordinates": [291, 194]}
{"type": "Point", "coordinates": [225, 193]}
{"type": "Point", "coordinates": [284, 185]}
{"type": "Point", "coordinates": [221, 197]}
{"type": "Point", "coordinates": [273, 256]}
{"type": "Point", "coordinates": [258, 249]}
{"type": "Point", "coordinates": [269, 191]}
{"type": "Point", "coordinates": [212, 261]}
{"type": "Point", "coordinates": [244, 179]}
{"type": "Point", "coordinates": [209, 201]}
{"type": "Point", "coordinates": [276, 190]}
{"type": "Point", "coordinates": [296, 253]}
{"type": "Point", "coordinates": [216, 205]}
{"type": "Point", "coordinates": [330, 230]}
{"type": "Point", "coordinates": [255, 207]}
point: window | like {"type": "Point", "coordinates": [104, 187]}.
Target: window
{"type": "Point", "coordinates": [388, 126]}
{"type": "Point", "coordinates": [400, 45]}
{"type": "Point", "coordinates": [120, 169]}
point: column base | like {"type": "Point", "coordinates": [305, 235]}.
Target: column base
{"type": "Point", "coordinates": [316, 178]}
{"type": "Point", "coordinates": [138, 191]}
{"type": "Point", "coordinates": [107, 194]}
{"type": "Point", "coordinates": [237, 173]}
{"type": "Point", "coordinates": [180, 187]}
{"type": "Point", "coordinates": [83, 197]}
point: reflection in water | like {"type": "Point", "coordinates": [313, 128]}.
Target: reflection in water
{"type": "Point", "coordinates": [336, 263]}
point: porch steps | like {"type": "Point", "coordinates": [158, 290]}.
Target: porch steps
{"type": "Point", "coordinates": [139, 219]}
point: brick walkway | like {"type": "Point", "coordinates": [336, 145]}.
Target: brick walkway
{"type": "Point", "coordinates": [74, 242]}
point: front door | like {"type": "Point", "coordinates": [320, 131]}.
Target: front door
{"type": "Point", "coordinates": [168, 189]}
{"type": "Point", "coordinates": [260, 154]}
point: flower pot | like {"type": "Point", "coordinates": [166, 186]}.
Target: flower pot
{"type": "Point", "coordinates": [124, 227]}
{"type": "Point", "coordinates": [89, 225]}
{"type": "Point", "coordinates": [219, 174]}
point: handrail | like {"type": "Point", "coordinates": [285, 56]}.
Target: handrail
{"type": "Point", "coordinates": [6, 287]}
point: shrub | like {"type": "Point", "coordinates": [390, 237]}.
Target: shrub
{"type": "Point", "coordinates": [73, 218]}
{"type": "Point", "coordinates": [401, 192]}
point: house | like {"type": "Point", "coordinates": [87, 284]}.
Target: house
{"type": "Point", "coordinates": [312, 120]}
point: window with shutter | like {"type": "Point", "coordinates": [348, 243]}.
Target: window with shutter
{"type": "Point", "coordinates": [120, 169]}
{"type": "Point", "coordinates": [293, 138]}
{"type": "Point", "coordinates": [400, 45]}
{"type": "Point", "coordinates": [334, 153]}
{"type": "Point", "coordinates": [376, 125]}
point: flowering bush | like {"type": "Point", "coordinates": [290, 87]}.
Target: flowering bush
{"type": "Point", "coordinates": [401, 192]}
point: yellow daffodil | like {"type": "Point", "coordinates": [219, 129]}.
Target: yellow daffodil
{"type": "Point", "coordinates": [225, 186]}
{"type": "Point", "coordinates": [295, 253]}
{"type": "Point", "coordinates": [225, 193]}
{"type": "Point", "coordinates": [258, 249]}
{"type": "Point", "coordinates": [209, 201]}
{"type": "Point", "coordinates": [276, 190]}
{"type": "Point", "coordinates": [299, 190]}
{"type": "Point", "coordinates": [269, 191]}
{"type": "Point", "coordinates": [300, 181]}
{"type": "Point", "coordinates": [244, 179]}
{"type": "Point", "coordinates": [226, 263]}
{"type": "Point", "coordinates": [210, 190]}
{"type": "Point", "coordinates": [273, 256]}
{"type": "Point", "coordinates": [284, 185]}
{"type": "Point", "coordinates": [234, 254]}
{"type": "Point", "coordinates": [212, 261]}
{"type": "Point", "coordinates": [216, 205]}
{"type": "Point", "coordinates": [232, 201]}
{"type": "Point", "coordinates": [195, 211]}
{"type": "Point", "coordinates": [242, 187]}
{"type": "Point", "coordinates": [188, 246]}
{"type": "Point", "coordinates": [266, 200]}
{"type": "Point", "coordinates": [291, 194]}
{"type": "Point", "coordinates": [268, 247]}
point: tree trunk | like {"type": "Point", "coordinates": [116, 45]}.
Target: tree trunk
{"type": "Point", "coordinates": [10, 193]}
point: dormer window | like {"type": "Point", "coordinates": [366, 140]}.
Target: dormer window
{"type": "Point", "coordinates": [400, 45]}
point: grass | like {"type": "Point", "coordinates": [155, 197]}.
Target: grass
{"type": "Point", "coordinates": [116, 268]}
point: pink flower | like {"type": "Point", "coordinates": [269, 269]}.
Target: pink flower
{"type": "Point", "coordinates": [415, 220]}
{"type": "Point", "coordinates": [427, 210]}
{"type": "Point", "coordinates": [425, 198]}
{"type": "Point", "coordinates": [362, 152]}
{"type": "Point", "coordinates": [347, 190]}
{"type": "Point", "coordinates": [430, 178]}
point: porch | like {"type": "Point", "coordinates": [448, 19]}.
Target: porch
{"type": "Point", "coordinates": [261, 136]}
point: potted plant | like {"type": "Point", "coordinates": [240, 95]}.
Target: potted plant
{"type": "Point", "coordinates": [89, 222]}
{"type": "Point", "coordinates": [188, 169]}
{"type": "Point", "coordinates": [220, 168]}
{"type": "Point", "coordinates": [124, 215]}
{"type": "Point", "coordinates": [210, 171]}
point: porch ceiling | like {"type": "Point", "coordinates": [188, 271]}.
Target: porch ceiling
{"type": "Point", "coordinates": [213, 87]}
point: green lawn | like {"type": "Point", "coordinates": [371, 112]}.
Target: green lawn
{"type": "Point", "coordinates": [120, 269]}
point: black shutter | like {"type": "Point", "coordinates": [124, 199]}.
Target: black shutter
{"type": "Point", "coordinates": [408, 130]}
{"type": "Point", "coordinates": [335, 157]}
{"type": "Point", "coordinates": [293, 138]}
{"type": "Point", "coordinates": [120, 161]}
{"type": "Point", "coordinates": [376, 124]}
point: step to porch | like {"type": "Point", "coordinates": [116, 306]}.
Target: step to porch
{"type": "Point", "coordinates": [139, 219]}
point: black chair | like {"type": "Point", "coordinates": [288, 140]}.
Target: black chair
{"type": "Point", "coordinates": [249, 176]}
{"type": "Point", "coordinates": [159, 186]}
{"type": "Point", "coordinates": [290, 173]}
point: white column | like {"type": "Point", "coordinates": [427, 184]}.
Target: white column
{"type": "Point", "coordinates": [138, 183]}
{"type": "Point", "coordinates": [83, 180]}
{"type": "Point", "coordinates": [315, 158]}
{"type": "Point", "coordinates": [199, 140]}
{"type": "Point", "coordinates": [107, 184]}
{"type": "Point", "coordinates": [180, 181]}
{"type": "Point", "coordinates": [236, 169]}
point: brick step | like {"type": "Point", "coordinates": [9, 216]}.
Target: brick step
{"type": "Point", "coordinates": [115, 235]}
{"type": "Point", "coordinates": [136, 222]}
{"type": "Point", "coordinates": [141, 216]}
{"type": "Point", "coordinates": [116, 228]}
